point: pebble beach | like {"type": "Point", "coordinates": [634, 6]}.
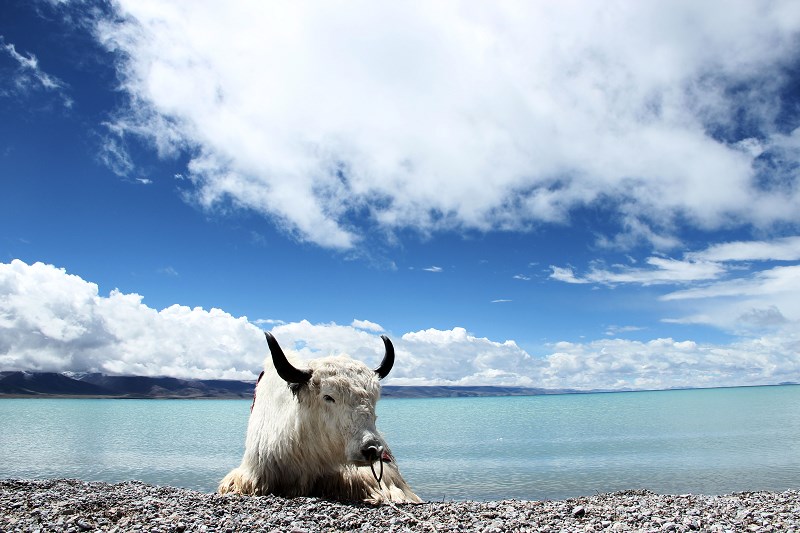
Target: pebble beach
{"type": "Point", "coordinates": [74, 506]}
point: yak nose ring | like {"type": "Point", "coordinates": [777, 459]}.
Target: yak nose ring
{"type": "Point", "coordinates": [372, 453]}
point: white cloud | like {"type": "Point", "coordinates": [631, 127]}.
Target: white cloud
{"type": "Point", "coordinates": [501, 301]}
{"type": "Point", "coordinates": [334, 119]}
{"type": "Point", "coordinates": [113, 154]}
{"type": "Point", "coordinates": [54, 321]}
{"type": "Point", "coordinates": [455, 357]}
{"type": "Point", "coordinates": [636, 231]}
{"type": "Point", "coordinates": [765, 299]}
{"type": "Point", "coordinates": [661, 271]}
{"type": "Point", "coordinates": [367, 325]}
{"type": "Point", "coordinates": [778, 280]}
{"type": "Point", "coordinates": [718, 290]}
{"type": "Point", "coordinates": [522, 277]}
{"type": "Point", "coordinates": [565, 274]}
{"type": "Point", "coordinates": [614, 330]}
{"type": "Point", "coordinates": [168, 271]}
{"type": "Point", "coordinates": [661, 363]}
{"type": "Point", "coordinates": [309, 340]}
{"type": "Point", "coordinates": [435, 269]}
{"type": "Point", "coordinates": [30, 66]}
{"type": "Point", "coordinates": [268, 322]}
{"type": "Point", "coordinates": [784, 249]}
{"type": "Point", "coordinates": [28, 76]}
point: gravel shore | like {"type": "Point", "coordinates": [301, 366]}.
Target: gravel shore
{"type": "Point", "coordinates": [69, 505]}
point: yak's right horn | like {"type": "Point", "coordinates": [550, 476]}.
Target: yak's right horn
{"type": "Point", "coordinates": [289, 373]}
{"type": "Point", "coordinates": [388, 359]}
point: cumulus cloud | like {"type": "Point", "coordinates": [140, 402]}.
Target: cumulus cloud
{"type": "Point", "coordinates": [455, 357]}
{"type": "Point", "coordinates": [268, 322]}
{"type": "Point", "coordinates": [309, 340]}
{"type": "Point", "coordinates": [660, 363]}
{"type": "Point", "coordinates": [54, 321]}
{"type": "Point", "coordinates": [367, 325]}
{"type": "Point", "coordinates": [334, 120]}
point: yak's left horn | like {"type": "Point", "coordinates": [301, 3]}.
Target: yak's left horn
{"type": "Point", "coordinates": [289, 373]}
{"type": "Point", "coordinates": [388, 359]}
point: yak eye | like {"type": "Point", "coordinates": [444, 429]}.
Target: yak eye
{"type": "Point", "coordinates": [328, 399]}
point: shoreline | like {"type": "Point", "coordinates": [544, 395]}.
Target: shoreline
{"type": "Point", "coordinates": [66, 504]}
{"type": "Point", "coordinates": [49, 385]}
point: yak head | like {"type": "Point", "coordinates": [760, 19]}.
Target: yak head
{"type": "Point", "coordinates": [337, 397]}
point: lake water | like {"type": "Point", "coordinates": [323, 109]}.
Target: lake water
{"type": "Point", "coordinates": [541, 447]}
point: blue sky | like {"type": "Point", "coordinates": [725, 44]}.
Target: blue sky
{"type": "Point", "coordinates": [557, 195]}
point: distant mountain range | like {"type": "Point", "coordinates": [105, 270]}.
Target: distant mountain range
{"type": "Point", "coordinates": [394, 391]}
{"type": "Point", "coordinates": [92, 385]}
{"type": "Point", "coordinates": [43, 384]}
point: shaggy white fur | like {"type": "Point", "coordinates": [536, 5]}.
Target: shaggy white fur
{"type": "Point", "coordinates": [310, 441]}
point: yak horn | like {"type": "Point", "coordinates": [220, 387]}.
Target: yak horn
{"type": "Point", "coordinates": [289, 373]}
{"type": "Point", "coordinates": [388, 359]}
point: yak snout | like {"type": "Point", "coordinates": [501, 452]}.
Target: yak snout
{"type": "Point", "coordinates": [372, 452]}
{"type": "Point", "coordinates": [367, 450]}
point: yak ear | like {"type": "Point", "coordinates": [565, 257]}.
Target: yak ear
{"type": "Point", "coordinates": [290, 374]}
{"type": "Point", "coordinates": [388, 359]}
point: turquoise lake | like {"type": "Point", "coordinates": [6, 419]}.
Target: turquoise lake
{"type": "Point", "coordinates": [710, 441]}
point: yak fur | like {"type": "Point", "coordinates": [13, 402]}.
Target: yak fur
{"type": "Point", "coordinates": [306, 440]}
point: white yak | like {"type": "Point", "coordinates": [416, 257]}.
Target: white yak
{"type": "Point", "coordinates": [312, 433]}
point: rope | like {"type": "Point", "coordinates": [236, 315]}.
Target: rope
{"type": "Point", "coordinates": [377, 478]}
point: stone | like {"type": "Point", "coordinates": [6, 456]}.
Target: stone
{"type": "Point", "coordinates": [69, 505]}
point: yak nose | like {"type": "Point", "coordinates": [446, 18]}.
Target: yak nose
{"type": "Point", "coordinates": [372, 452]}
